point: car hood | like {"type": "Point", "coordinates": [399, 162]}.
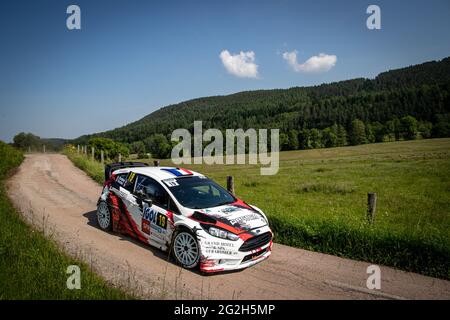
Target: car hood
{"type": "Point", "coordinates": [237, 216]}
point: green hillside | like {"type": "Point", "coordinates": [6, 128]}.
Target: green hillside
{"type": "Point", "coordinates": [420, 91]}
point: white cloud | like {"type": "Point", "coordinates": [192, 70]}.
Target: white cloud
{"type": "Point", "coordinates": [321, 63]}
{"type": "Point", "coordinates": [241, 65]}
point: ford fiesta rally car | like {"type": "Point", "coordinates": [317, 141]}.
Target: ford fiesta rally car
{"type": "Point", "coordinates": [184, 213]}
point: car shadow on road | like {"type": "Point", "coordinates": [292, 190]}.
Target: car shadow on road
{"type": "Point", "coordinates": [92, 221]}
{"type": "Point", "coordinates": [91, 217]}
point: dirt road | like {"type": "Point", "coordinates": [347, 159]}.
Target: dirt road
{"type": "Point", "coordinates": [54, 195]}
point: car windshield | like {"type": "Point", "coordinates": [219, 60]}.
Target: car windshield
{"type": "Point", "coordinates": [198, 192]}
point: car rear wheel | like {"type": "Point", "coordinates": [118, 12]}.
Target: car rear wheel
{"type": "Point", "coordinates": [104, 216]}
{"type": "Point", "coordinates": [186, 249]}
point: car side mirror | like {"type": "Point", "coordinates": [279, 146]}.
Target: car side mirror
{"type": "Point", "coordinates": [141, 195]}
{"type": "Point", "coordinates": [148, 201]}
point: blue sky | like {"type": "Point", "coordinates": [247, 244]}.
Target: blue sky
{"type": "Point", "coordinates": [133, 57]}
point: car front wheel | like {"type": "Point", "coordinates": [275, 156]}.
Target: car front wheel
{"type": "Point", "coordinates": [186, 249]}
{"type": "Point", "coordinates": [104, 216]}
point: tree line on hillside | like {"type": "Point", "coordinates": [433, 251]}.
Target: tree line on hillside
{"type": "Point", "coordinates": [358, 132]}
{"type": "Point", "coordinates": [111, 149]}
{"type": "Point", "coordinates": [406, 128]}
{"type": "Point", "coordinates": [316, 115]}
{"type": "Point", "coordinates": [30, 142]}
{"type": "Point", "coordinates": [408, 103]}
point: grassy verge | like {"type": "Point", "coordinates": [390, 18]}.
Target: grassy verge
{"type": "Point", "coordinates": [93, 169]}
{"type": "Point", "coordinates": [317, 201]}
{"type": "Point", "coordinates": [428, 255]}
{"type": "Point", "coordinates": [31, 266]}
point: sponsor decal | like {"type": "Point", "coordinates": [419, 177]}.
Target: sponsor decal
{"type": "Point", "coordinates": [122, 194]}
{"type": "Point", "coordinates": [220, 251]}
{"type": "Point", "coordinates": [121, 180]}
{"type": "Point", "coordinates": [218, 247]}
{"type": "Point", "coordinates": [131, 177]}
{"type": "Point", "coordinates": [146, 226]}
{"type": "Point", "coordinates": [229, 209]}
{"type": "Point", "coordinates": [156, 218]}
{"type": "Point", "coordinates": [171, 183]}
{"type": "Point", "coordinates": [158, 229]}
{"type": "Point", "coordinates": [244, 219]}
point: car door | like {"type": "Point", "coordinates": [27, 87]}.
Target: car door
{"type": "Point", "coordinates": [127, 184]}
{"type": "Point", "coordinates": [155, 221]}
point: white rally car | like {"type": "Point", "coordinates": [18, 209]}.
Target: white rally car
{"type": "Point", "coordinates": [183, 212]}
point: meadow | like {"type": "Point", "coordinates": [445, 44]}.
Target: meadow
{"type": "Point", "coordinates": [31, 265]}
{"type": "Point", "coordinates": [318, 200]}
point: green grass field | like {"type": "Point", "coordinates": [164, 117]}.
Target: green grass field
{"type": "Point", "coordinates": [318, 201]}
{"type": "Point", "coordinates": [31, 266]}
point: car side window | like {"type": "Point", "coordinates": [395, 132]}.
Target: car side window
{"type": "Point", "coordinates": [153, 190]}
{"type": "Point", "coordinates": [122, 180]}
{"type": "Point", "coordinates": [173, 207]}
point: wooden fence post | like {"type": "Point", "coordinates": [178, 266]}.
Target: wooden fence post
{"type": "Point", "coordinates": [156, 163]}
{"type": "Point", "coordinates": [120, 157]}
{"type": "Point", "coordinates": [43, 147]}
{"type": "Point", "coordinates": [78, 149]}
{"type": "Point", "coordinates": [230, 184]}
{"type": "Point", "coordinates": [93, 153]}
{"type": "Point", "coordinates": [371, 206]}
{"type": "Point", "coordinates": [102, 157]}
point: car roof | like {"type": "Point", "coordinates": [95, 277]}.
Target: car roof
{"type": "Point", "coordinates": [160, 173]}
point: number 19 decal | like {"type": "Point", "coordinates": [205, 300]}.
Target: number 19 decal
{"type": "Point", "coordinates": [161, 221]}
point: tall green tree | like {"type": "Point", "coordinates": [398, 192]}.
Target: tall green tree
{"type": "Point", "coordinates": [425, 129]}
{"type": "Point", "coordinates": [159, 146]}
{"type": "Point", "coordinates": [138, 147]}
{"type": "Point", "coordinates": [390, 129]}
{"type": "Point", "coordinates": [111, 149]}
{"type": "Point", "coordinates": [284, 141]}
{"type": "Point", "coordinates": [293, 139]}
{"type": "Point", "coordinates": [304, 139]}
{"type": "Point", "coordinates": [24, 141]}
{"type": "Point", "coordinates": [315, 138]}
{"type": "Point", "coordinates": [329, 138]}
{"type": "Point", "coordinates": [378, 131]}
{"type": "Point", "coordinates": [357, 132]}
{"type": "Point", "coordinates": [370, 137]}
{"type": "Point", "coordinates": [442, 127]}
{"type": "Point", "coordinates": [397, 128]}
{"type": "Point", "coordinates": [409, 127]}
{"type": "Point", "coordinates": [341, 134]}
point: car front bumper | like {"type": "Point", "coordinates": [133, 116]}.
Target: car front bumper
{"type": "Point", "coordinates": [224, 255]}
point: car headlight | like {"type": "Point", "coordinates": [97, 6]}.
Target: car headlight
{"type": "Point", "coordinates": [220, 233]}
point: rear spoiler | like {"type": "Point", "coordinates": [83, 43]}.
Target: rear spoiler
{"type": "Point", "coordinates": [110, 168]}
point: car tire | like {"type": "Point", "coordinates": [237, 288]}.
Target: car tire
{"type": "Point", "coordinates": [185, 249]}
{"type": "Point", "coordinates": [104, 218]}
